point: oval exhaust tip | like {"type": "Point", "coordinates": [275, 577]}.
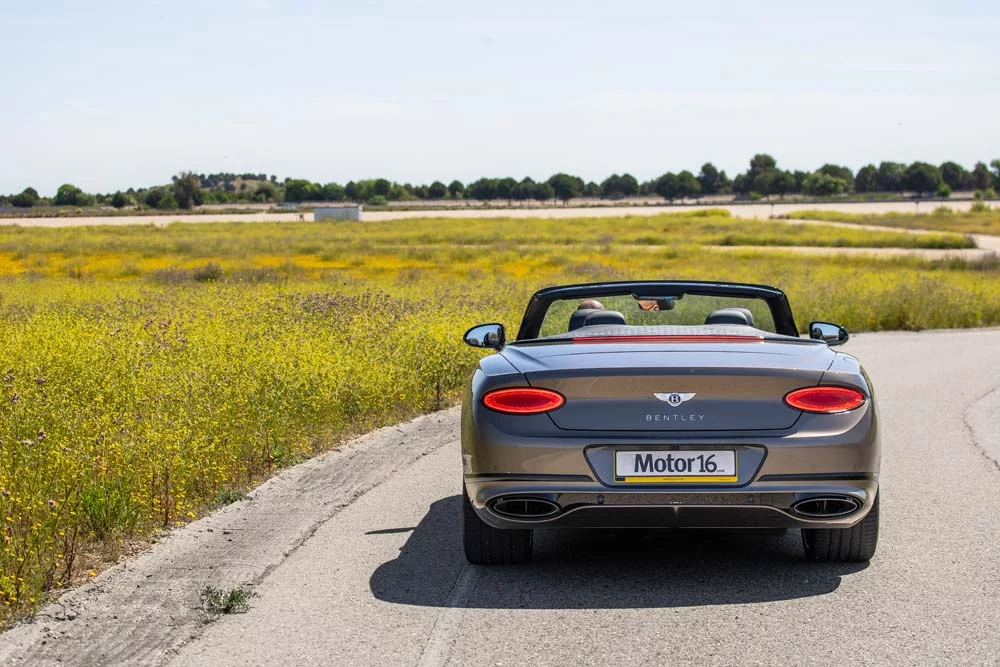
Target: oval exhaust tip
{"type": "Point", "coordinates": [827, 507]}
{"type": "Point", "coordinates": [524, 508]}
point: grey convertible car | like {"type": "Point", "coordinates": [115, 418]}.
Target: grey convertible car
{"type": "Point", "coordinates": [669, 405]}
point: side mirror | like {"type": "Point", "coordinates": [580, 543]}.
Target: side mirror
{"type": "Point", "coordinates": [831, 334]}
{"type": "Point", "coordinates": [491, 336]}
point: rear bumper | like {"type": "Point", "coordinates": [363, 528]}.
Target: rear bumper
{"type": "Point", "coordinates": [585, 503]}
{"type": "Point", "coordinates": [822, 456]}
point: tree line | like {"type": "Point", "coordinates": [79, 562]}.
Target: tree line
{"type": "Point", "coordinates": [763, 178]}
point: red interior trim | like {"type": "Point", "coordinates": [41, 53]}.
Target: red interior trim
{"type": "Point", "coordinates": [668, 339]}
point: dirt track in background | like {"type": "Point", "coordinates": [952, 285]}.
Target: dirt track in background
{"type": "Point", "coordinates": [739, 210]}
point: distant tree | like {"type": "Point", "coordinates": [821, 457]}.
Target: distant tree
{"type": "Point", "coordinates": [366, 190]}
{"type": "Point", "coordinates": [351, 192]}
{"type": "Point", "coordinates": [591, 189]}
{"type": "Point", "coordinates": [725, 185]}
{"type": "Point", "coordinates": [456, 189]}
{"type": "Point", "coordinates": [629, 185]}
{"type": "Point", "coordinates": [332, 192]}
{"type": "Point", "coordinates": [401, 192]}
{"type": "Point", "coordinates": [759, 177]}
{"type": "Point", "coordinates": [943, 190]}
{"type": "Point", "coordinates": [762, 162]}
{"type": "Point", "coordinates": [420, 192]}
{"type": "Point", "coordinates": [954, 175]}
{"type": "Point", "coordinates": [921, 177]}
{"type": "Point", "coordinates": [544, 192]}
{"type": "Point", "coordinates": [783, 183]}
{"type": "Point", "coordinates": [68, 195]}
{"type": "Point", "coordinates": [265, 192]}
{"type": "Point", "coordinates": [981, 176]}
{"type": "Point", "coordinates": [708, 177]}
{"type": "Point", "coordinates": [504, 188]}
{"type": "Point", "coordinates": [890, 176]}
{"type": "Point", "coordinates": [120, 200]}
{"type": "Point", "coordinates": [484, 189]}
{"type": "Point", "coordinates": [866, 180]}
{"type": "Point", "coordinates": [763, 182]}
{"type": "Point", "coordinates": [837, 171]}
{"type": "Point", "coordinates": [823, 185]}
{"type": "Point", "coordinates": [566, 187]}
{"type": "Point", "coordinates": [187, 190]}
{"type": "Point", "coordinates": [300, 189]}
{"type": "Point", "coordinates": [666, 186]}
{"type": "Point", "coordinates": [382, 187]}
{"type": "Point", "coordinates": [800, 177]}
{"type": "Point", "coordinates": [611, 187]}
{"type": "Point", "coordinates": [741, 184]}
{"type": "Point", "coordinates": [617, 187]}
{"type": "Point", "coordinates": [996, 171]}
{"type": "Point", "coordinates": [687, 185]}
{"type": "Point", "coordinates": [26, 198]}
{"type": "Point", "coordinates": [437, 190]}
{"type": "Point", "coordinates": [168, 202]}
{"type": "Point", "coordinates": [152, 197]}
{"type": "Point", "coordinates": [525, 190]}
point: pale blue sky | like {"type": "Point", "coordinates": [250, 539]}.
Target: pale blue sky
{"type": "Point", "coordinates": [113, 94]}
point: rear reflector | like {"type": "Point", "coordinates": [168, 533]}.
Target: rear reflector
{"type": "Point", "coordinates": [523, 400]}
{"type": "Point", "coordinates": [825, 400]}
{"type": "Point", "coordinates": [668, 339]}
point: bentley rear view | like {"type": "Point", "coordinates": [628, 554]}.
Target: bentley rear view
{"type": "Point", "coordinates": [667, 404]}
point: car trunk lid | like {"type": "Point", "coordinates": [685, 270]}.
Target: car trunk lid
{"type": "Point", "coordinates": [722, 386]}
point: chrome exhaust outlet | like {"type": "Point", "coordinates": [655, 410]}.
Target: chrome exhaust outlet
{"type": "Point", "coordinates": [524, 508]}
{"type": "Point", "coordinates": [826, 507]}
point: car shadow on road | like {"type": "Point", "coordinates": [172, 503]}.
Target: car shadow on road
{"type": "Point", "coordinates": [597, 569]}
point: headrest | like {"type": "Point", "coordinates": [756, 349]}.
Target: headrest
{"type": "Point", "coordinates": [604, 317]}
{"type": "Point", "coordinates": [579, 316]}
{"type": "Point", "coordinates": [730, 316]}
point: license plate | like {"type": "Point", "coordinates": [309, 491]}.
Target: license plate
{"type": "Point", "coordinates": [676, 466]}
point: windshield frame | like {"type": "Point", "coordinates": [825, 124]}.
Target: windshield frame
{"type": "Point", "coordinates": [777, 302]}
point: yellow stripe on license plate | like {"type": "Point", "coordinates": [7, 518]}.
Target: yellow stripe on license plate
{"type": "Point", "coordinates": [680, 479]}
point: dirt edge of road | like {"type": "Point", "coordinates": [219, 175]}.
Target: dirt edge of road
{"type": "Point", "coordinates": [144, 609]}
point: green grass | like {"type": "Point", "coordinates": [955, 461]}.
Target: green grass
{"type": "Point", "coordinates": [147, 375]}
{"type": "Point", "coordinates": [941, 219]}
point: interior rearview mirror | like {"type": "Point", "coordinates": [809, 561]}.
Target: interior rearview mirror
{"type": "Point", "coordinates": [829, 333]}
{"type": "Point", "coordinates": [490, 336]}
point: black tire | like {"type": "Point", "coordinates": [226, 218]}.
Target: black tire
{"type": "Point", "coordinates": [486, 545]}
{"type": "Point", "coordinates": [844, 545]}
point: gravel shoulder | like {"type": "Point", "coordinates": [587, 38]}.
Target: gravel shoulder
{"type": "Point", "coordinates": [143, 610]}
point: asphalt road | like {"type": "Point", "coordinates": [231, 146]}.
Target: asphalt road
{"type": "Point", "coordinates": [356, 559]}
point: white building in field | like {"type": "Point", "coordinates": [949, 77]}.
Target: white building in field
{"type": "Point", "coordinates": [351, 212]}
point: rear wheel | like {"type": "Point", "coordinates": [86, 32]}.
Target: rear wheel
{"type": "Point", "coordinates": [486, 545]}
{"type": "Point", "coordinates": [843, 545]}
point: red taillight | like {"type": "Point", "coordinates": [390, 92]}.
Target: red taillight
{"type": "Point", "coordinates": [825, 400]}
{"type": "Point", "coordinates": [523, 400]}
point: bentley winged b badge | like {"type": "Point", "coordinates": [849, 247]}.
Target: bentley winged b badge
{"type": "Point", "coordinates": [674, 399]}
